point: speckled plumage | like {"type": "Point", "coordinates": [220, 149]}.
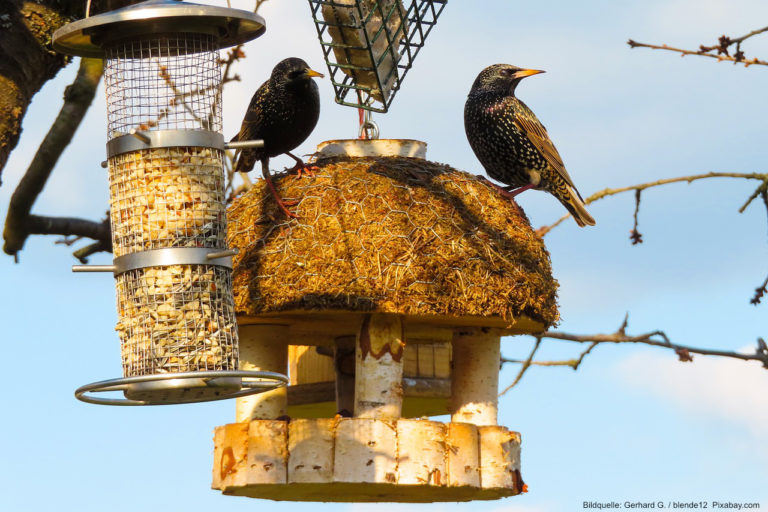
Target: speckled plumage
{"type": "Point", "coordinates": [283, 112]}
{"type": "Point", "coordinates": [512, 144]}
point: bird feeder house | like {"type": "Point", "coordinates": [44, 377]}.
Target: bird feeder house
{"type": "Point", "coordinates": [176, 320]}
{"type": "Point", "coordinates": [386, 298]}
{"type": "Point", "coordinates": [369, 45]}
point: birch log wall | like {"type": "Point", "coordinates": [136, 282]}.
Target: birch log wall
{"type": "Point", "coordinates": [386, 301]}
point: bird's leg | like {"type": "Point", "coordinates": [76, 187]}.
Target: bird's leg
{"type": "Point", "coordinates": [512, 191]}
{"type": "Point", "coordinates": [301, 168]}
{"type": "Point", "coordinates": [268, 178]}
{"type": "Point", "coordinates": [509, 191]}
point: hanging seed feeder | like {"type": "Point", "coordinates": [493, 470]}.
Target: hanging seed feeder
{"type": "Point", "coordinates": [165, 151]}
{"type": "Point", "coordinates": [369, 45]}
{"type": "Point", "coordinates": [387, 299]}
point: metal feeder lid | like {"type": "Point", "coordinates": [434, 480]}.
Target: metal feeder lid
{"type": "Point", "coordinates": [87, 37]}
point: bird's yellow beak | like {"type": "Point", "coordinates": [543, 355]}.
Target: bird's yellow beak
{"type": "Point", "coordinates": [311, 73]}
{"type": "Point", "coordinates": [528, 72]}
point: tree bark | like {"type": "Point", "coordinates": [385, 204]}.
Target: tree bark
{"type": "Point", "coordinates": [19, 224]}
{"type": "Point", "coordinates": [27, 59]}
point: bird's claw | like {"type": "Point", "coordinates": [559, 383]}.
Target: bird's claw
{"type": "Point", "coordinates": [301, 169]}
{"type": "Point", "coordinates": [283, 204]}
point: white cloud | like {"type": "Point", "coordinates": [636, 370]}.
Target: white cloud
{"type": "Point", "coordinates": [712, 387]}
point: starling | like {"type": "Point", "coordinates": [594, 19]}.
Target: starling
{"type": "Point", "coordinates": [283, 112]}
{"type": "Point", "coordinates": [511, 143]}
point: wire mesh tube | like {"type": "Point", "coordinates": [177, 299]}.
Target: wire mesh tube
{"type": "Point", "coordinates": [173, 318]}
{"type": "Point", "coordinates": [163, 83]}
{"type": "Point", "coordinates": [178, 318]}
{"type": "Point", "coordinates": [167, 197]}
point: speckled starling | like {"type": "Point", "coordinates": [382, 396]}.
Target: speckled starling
{"type": "Point", "coordinates": [511, 143]}
{"type": "Point", "coordinates": [283, 112]}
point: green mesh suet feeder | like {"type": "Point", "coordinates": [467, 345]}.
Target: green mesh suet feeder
{"type": "Point", "coordinates": [369, 45]}
{"type": "Point", "coordinates": [165, 150]}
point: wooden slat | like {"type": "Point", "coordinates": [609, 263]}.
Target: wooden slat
{"type": "Point", "coordinates": [310, 450]}
{"type": "Point", "coordinates": [307, 366]}
{"type": "Point", "coordinates": [410, 357]}
{"type": "Point", "coordinates": [499, 458]}
{"type": "Point", "coordinates": [426, 360]}
{"type": "Point", "coordinates": [427, 439]}
{"type": "Point", "coordinates": [366, 451]}
{"type": "Point", "coordinates": [442, 353]}
{"type": "Point", "coordinates": [463, 466]}
{"type": "Point", "coordinates": [267, 461]}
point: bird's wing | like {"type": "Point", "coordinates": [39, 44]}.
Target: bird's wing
{"type": "Point", "coordinates": [254, 118]}
{"type": "Point", "coordinates": [527, 122]}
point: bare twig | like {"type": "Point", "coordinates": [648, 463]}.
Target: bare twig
{"type": "Point", "coordinates": [234, 55]}
{"type": "Point", "coordinates": [571, 363]}
{"type": "Point", "coordinates": [83, 253]}
{"type": "Point", "coordinates": [654, 338]}
{"type": "Point", "coordinates": [68, 240]}
{"type": "Point", "coordinates": [725, 41]}
{"type": "Point", "coordinates": [683, 53]}
{"type": "Point", "coordinates": [635, 235]}
{"type": "Point", "coordinates": [607, 192]}
{"type": "Point", "coordinates": [719, 51]}
{"type": "Point", "coordinates": [524, 368]}
{"type": "Point", "coordinates": [759, 292]}
{"type": "Point", "coordinates": [19, 223]}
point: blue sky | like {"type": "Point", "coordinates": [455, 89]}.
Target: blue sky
{"type": "Point", "coordinates": [631, 424]}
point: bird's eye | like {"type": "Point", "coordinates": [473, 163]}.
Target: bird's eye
{"type": "Point", "coordinates": [506, 72]}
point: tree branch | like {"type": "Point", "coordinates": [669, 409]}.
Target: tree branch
{"type": "Point", "coordinates": [19, 223]}
{"type": "Point", "coordinates": [654, 338]}
{"type": "Point", "coordinates": [83, 253]}
{"type": "Point", "coordinates": [719, 51]}
{"type": "Point", "coordinates": [607, 192]}
{"type": "Point", "coordinates": [636, 237]}
{"type": "Point", "coordinates": [571, 363]}
{"type": "Point", "coordinates": [526, 364]}
{"type": "Point", "coordinates": [658, 339]}
{"type": "Point", "coordinates": [70, 226]}
{"type": "Point", "coordinates": [27, 60]}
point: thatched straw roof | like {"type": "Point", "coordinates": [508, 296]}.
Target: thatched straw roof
{"type": "Point", "coordinates": [389, 234]}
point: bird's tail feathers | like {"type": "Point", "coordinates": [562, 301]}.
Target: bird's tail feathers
{"type": "Point", "coordinates": [575, 205]}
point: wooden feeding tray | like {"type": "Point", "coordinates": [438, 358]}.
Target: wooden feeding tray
{"type": "Point", "coordinates": [364, 459]}
{"type": "Point", "coordinates": [386, 299]}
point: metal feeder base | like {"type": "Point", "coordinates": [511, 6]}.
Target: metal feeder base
{"type": "Point", "coordinates": [181, 388]}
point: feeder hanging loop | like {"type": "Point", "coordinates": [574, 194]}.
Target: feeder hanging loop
{"type": "Point", "coordinates": [369, 130]}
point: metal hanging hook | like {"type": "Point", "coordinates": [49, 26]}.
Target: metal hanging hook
{"type": "Point", "coordinates": [369, 130]}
